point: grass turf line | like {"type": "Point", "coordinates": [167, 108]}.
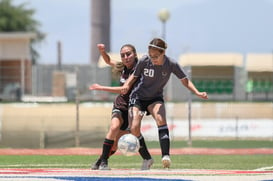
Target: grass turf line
{"type": "Point", "coordinates": [226, 162]}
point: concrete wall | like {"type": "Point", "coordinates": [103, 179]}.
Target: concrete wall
{"type": "Point", "coordinates": [54, 125]}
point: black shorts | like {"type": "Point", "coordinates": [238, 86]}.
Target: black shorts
{"type": "Point", "coordinates": [143, 104]}
{"type": "Point", "coordinates": [124, 115]}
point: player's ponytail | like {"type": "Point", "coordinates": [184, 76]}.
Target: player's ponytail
{"type": "Point", "coordinates": [118, 68]}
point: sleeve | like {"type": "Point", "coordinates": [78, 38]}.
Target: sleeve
{"type": "Point", "coordinates": [178, 71]}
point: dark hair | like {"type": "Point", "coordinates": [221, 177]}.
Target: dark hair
{"type": "Point", "coordinates": [131, 46]}
{"type": "Point", "coordinates": [119, 65]}
{"type": "Point", "coordinates": [158, 44]}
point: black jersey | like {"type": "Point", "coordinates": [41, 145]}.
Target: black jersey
{"type": "Point", "coordinates": [121, 101]}
{"type": "Point", "coordinates": [153, 78]}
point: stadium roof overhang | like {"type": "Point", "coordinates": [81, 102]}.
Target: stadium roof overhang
{"type": "Point", "coordinates": [205, 59]}
{"type": "Point", "coordinates": [17, 35]}
{"type": "Point", "coordinates": [259, 63]}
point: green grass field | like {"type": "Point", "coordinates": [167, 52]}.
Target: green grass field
{"type": "Point", "coordinates": [229, 162]}
{"type": "Point", "coordinates": [218, 144]}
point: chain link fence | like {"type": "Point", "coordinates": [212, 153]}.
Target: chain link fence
{"type": "Point", "coordinates": [50, 83]}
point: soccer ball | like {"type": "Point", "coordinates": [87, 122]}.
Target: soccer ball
{"type": "Point", "coordinates": [128, 144]}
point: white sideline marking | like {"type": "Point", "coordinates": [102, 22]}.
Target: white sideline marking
{"type": "Point", "coordinates": [264, 168]}
{"type": "Point", "coordinates": [42, 165]}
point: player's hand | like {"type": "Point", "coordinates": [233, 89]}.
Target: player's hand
{"type": "Point", "coordinates": [95, 87]}
{"type": "Point", "coordinates": [124, 89]}
{"type": "Point", "coordinates": [101, 47]}
{"type": "Point", "coordinates": [203, 95]}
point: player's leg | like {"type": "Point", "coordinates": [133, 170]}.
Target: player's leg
{"type": "Point", "coordinates": [110, 140]}
{"type": "Point", "coordinates": [135, 116]}
{"type": "Point", "coordinates": [102, 162]}
{"type": "Point", "coordinates": [145, 154]}
{"type": "Point", "coordinates": [123, 129]}
{"type": "Point", "coordinates": [157, 109]}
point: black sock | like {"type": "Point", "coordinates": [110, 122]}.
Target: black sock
{"type": "Point", "coordinates": [143, 151]}
{"type": "Point", "coordinates": [164, 139]}
{"type": "Point", "coordinates": [112, 152]}
{"type": "Point", "coordinates": [106, 148]}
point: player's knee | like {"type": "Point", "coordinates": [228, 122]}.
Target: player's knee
{"type": "Point", "coordinates": [160, 122]}
{"type": "Point", "coordinates": [115, 127]}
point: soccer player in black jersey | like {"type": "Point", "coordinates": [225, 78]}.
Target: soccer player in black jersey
{"type": "Point", "coordinates": [119, 121]}
{"type": "Point", "coordinates": [153, 72]}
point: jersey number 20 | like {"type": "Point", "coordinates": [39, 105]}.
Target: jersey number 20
{"type": "Point", "coordinates": [149, 72]}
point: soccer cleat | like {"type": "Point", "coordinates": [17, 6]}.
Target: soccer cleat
{"type": "Point", "coordinates": [166, 161]}
{"type": "Point", "coordinates": [104, 165]}
{"type": "Point", "coordinates": [146, 164]}
{"type": "Point", "coordinates": [96, 165]}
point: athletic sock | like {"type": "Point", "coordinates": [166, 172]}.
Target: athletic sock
{"type": "Point", "coordinates": [164, 139]}
{"type": "Point", "coordinates": [112, 152]}
{"type": "Point", "coordinates": [106, 148]}
{"type": "Point", "coordinates": [143, 151]}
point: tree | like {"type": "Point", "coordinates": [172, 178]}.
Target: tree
{"type": "Point", "coordinates": [20, 19]}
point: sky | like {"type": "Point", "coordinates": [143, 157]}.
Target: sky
{"type": "Point", "coordinates": [194, 26]}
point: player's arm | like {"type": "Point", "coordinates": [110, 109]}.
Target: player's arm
{"type": "Point", "coordinates": [188, 83]}
{"type": "Point", "coordinates": [105, 88]}
{"type": "Point", "coordinates": [105, 55]}
{"type": "Point", "coordinates": [128, 84]}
